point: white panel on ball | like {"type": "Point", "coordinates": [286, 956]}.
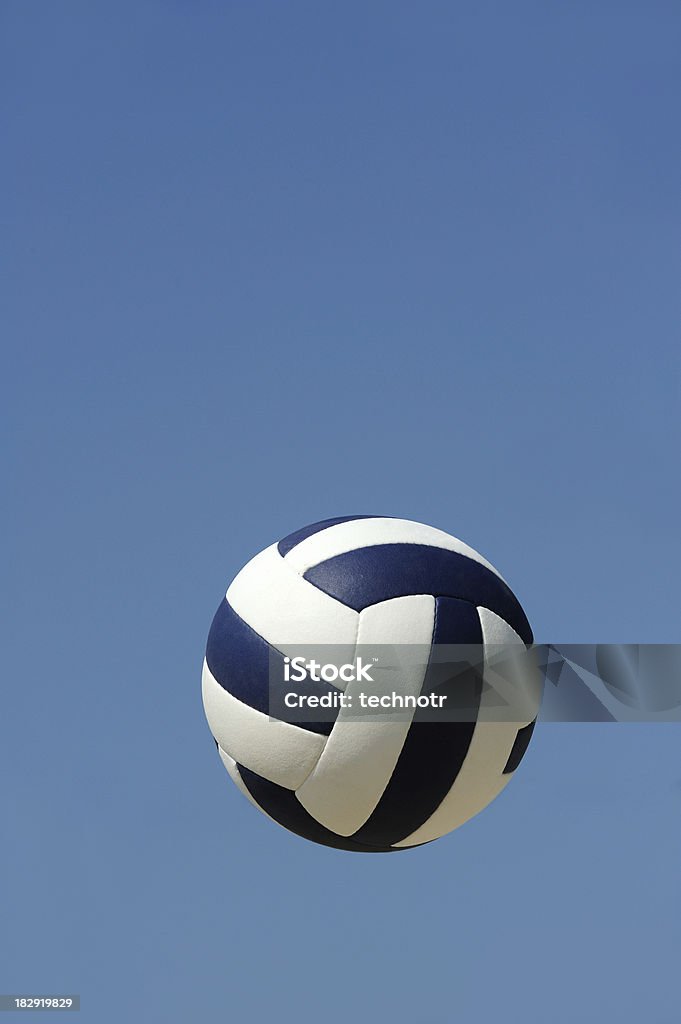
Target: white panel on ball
{"type": "Point", "coordinates": [360, 756]}
{"type": "Point", "coordinates": [286, 610]}
{"type": "Point", "coordinates": [363, 533]}
{"type": "Point", "coordinates": [279, 751]}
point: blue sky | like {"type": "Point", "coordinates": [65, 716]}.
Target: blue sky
{"type": "Point", "coordinates": [268, 263]}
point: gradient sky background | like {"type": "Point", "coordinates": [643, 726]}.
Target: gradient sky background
{"type": "Point", "coordinates": [267, 263]}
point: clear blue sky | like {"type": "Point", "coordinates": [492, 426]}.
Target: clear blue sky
{"type": "Point", "coordinates": [271, 262]}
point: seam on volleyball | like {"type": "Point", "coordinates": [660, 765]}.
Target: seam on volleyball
{"type": "Point", "coordinates": [432, 634]}
{"type": "Point", "coordinates": [436, 809]}
{"type": "Point", "coordinates": [291, 569]}
{"type": "Point", "coordinates": [327, 738]}
{"type": "Point", "coordinates": [259, 807]}
{"type": "Point", "coordinates": [379, 543]}
{"type": "Point", "coordinates": [268, 716]}
{"type": "Point", "coordinates": [362, 846]}
{"type": "Point", "coordinates": [479, 726]}
{"type": "Point", "coordinates": [250, 798]}
{"type": "Point", "coordinates": [455, 597]}
{"type": "Point", "coordinates": [384, 600]}
{"type": "Point", "coordinates": [492, 612]}
{"type": "Point", "coordinates": [406, 737]}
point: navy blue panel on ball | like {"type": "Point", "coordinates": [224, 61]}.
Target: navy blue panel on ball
{"type": "Point", "coordinates": [285, 545]}
{"type": "Point", "coordinates": [433, 751]}
{"type": "Point", "coordinates": [520, 745]}
{"type": "Point", "coordinates": [239, 659]}
{"type": "Point", "coordinates": [365, 576]}
{"type": "Point", "coordinates": [284, 806]}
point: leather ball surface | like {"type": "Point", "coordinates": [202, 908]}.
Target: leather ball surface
{"type": "Point", "coordinates": [367, 787]}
